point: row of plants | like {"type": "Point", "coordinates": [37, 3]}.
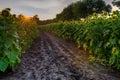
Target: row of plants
{"type": "Point", "coordinates": [16, 35]}
{"type": "Point", "coordinates": [100, 34]}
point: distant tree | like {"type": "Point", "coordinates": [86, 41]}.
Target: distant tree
{"type": "Point", "coordinates": [82, 9]}
{"type": "Point", "coordinates": [108, 8]}
{"type": "Point", "coordinates": [21, 17]}
{"type": "Point", "coordinates": [67, 13]}
{"type": "Point", "coordinates": [116, 3]}
{"type": "Point", "coordinates": [36, 18]}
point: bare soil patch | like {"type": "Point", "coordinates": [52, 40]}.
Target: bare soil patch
{"type": "Point", "coordinates": [52, 58]}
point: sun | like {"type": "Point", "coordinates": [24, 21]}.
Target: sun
{"type": "Point", "coordinates": [26, 18]}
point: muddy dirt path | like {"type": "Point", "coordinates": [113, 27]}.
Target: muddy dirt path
{"type": "Point", "coordinates": [52, 58]}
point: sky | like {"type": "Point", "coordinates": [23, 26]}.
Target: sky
{"type": "Point", "coordinates": [45, 9]}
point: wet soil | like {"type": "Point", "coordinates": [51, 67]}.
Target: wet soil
{"type": "Point", "coordinates": [52, 58]}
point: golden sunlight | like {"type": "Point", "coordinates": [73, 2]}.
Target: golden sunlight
{"type": "Point", "coordinates": [26, 18]}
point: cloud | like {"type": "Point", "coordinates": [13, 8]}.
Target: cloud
{"type": "Point", "coordinates": [44, 8]}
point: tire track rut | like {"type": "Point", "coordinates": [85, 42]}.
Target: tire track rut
{"type": "Point", "coordinates": [44, 61]}
{"type": "Point", "coordinates": [52, 58]}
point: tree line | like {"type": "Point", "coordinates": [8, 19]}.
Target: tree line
{"type": "Point", "coordinates": [116, 3]}
{"type": "Point", "coordinates": [82, 9]}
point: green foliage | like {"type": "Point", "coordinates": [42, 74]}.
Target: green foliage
{"type": "Point", "coordinates": [67, 14]}
{"type": "Point", "coordinates": [99, 34]}
{"type": "Point", "coordinates": [116, 3]}
{"type": "Point", "coordinates": [82, 9]}
{"type": "Point", "coordinates": [11, 40]}
{"type": "Point", "coordinates": [3, 64]}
